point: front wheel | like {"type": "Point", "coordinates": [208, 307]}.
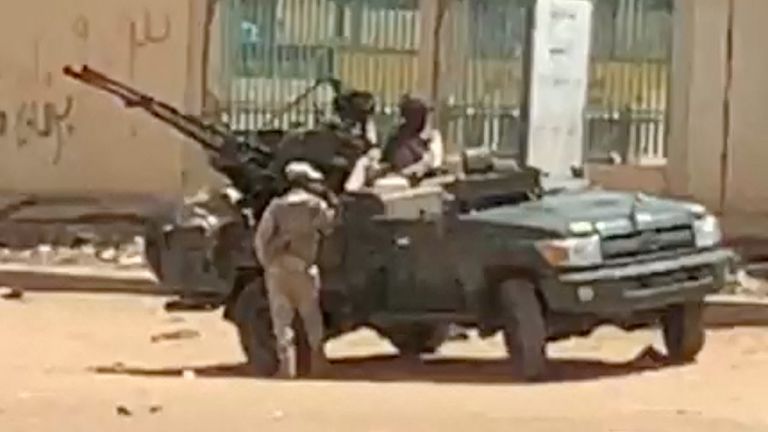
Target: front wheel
{"type": "Point", "coordinates": [525, 334]}
{"type": "Point", "coordinates": [683, 330]}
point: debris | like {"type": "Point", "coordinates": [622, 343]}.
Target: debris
{"type": "Point", "coordinates": [154, 409]}
{"type": "Point", "coordinates": [123, 411]}
{"type": "Point", "coordinates": [176, 335]}
{"type": "Point", "coordinates": [750, 285]}
{"type": "Point", "coordinates": [189, 374]}
{"type": "Point", "coordinates": [277, 415]}
{"type": "Point", "coordinates": [176, 319]}
{"type": "Point", "coordinates": [9, 293]}
{"type": "Point", "coordinates": [457, 333]}
{"type": "Point", "coordinates": [88, 249]}
{"type": "Point", "coordinates": [45, 252]}
{"type": "Point", "coordinates": [187, 305]}
{"type": "Point", "coordinates": [65, 256]}
{"type": "Point", "coordinates": [115, 368]}
{"type": "Point", "coordinates": [108, 255]}
{"type": "Point", "coordinates": [132, 254]}
{"type": "Point", "coordinates": [133, 260]}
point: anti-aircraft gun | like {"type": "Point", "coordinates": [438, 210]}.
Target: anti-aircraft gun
{"type": "Point", "coordinates": [207, 250]}
{"type": "Point", "coordinates": [250, 164]}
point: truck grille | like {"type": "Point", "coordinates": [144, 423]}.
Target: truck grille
{"type": "Point", "coordinates": [648, 242]}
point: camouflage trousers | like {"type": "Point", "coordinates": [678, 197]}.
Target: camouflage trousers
{"type": "Point", "coordinates": [293, 289]}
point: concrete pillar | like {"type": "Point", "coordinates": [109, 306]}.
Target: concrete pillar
{"type": "Point", "coordinates": [677, 175]}
{"type": "Point", "coordinates": [196, 173]}
{"type": "Point", "coordinates": [698, 94]}
{"type": "Point", "coordinates": [437, 61]}
{"type": "Point", "coordinates": [428, 70]}
{"type": "Point", "coordinates": [747, 177]}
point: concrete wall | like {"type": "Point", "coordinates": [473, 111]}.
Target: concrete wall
{"type": "Point", "coordinates": [696, 130]}
{"type": "Point", "coordinates": [61, 137]}
{"type": "Point", "coordinates": [747, 176]}
{"type": "Point", "coordinates": [727, 174]}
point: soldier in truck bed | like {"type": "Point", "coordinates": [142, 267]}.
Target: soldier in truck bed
{"type": "Point", "coordinates": [337, 146]}
{"type": "Point", "coordinates": [415, 149]}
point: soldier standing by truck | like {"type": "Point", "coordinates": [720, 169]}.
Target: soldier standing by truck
{"type": "Point", "coordinates": [287, 242]}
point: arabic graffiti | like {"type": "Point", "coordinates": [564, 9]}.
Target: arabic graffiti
{"type": "Point", "coordinates": [81, 28]}
{"type": "Point", "coordinates": [144, 35]}
{"type": "Point", "coordinates": [38, 119]}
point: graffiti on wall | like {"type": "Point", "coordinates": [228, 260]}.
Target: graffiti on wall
{"type": "Point", "coordinates": [144, 33]}
{"type": "Point", "coordinates": [44, 120]}
{"type": "Point", "coordinates": [38, 117]}
{"type": "Point", "coordinates": [81, 28]}
{"type": "Point", "coordinates": [33, 121]}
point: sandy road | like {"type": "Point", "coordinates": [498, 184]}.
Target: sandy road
{"type": "Point", "coordinates": [54, 344]}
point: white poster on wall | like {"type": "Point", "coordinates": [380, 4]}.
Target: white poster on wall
{"type": "Point", "coordinates": [558, 85]}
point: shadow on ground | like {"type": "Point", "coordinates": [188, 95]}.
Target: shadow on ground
{"type": "Point", "coordinates": [385, 368]}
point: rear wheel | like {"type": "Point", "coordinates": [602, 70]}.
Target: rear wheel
{"type": "Point", "coordinates": [525, 334]}
{"type": "Point", "coordinates": [683, 330]}
{"type": "Point", "coordinates": [415, 339]}
{"type": "Point", "coordinates": [252, 318]}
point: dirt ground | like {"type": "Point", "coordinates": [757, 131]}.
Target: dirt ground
{"type": "Point", "coordinates": [86, 363]}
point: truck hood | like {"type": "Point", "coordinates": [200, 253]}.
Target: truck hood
{"type": "Point", "coordinates": [611, 213]}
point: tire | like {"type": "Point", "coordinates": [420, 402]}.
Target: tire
{"type": "Point", "coordinates": [525, 333]}
{"type": "Point", "coordinates": [415, 339]}
{"type": "Point", "coordinates": [252, 319]}
{"type": "Point", "coordinates": [683, 331]}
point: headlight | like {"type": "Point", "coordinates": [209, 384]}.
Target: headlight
{"type": "Point", "coordinates": [706, 231]}
{"type": "Point", "coordinates": [572, 252]}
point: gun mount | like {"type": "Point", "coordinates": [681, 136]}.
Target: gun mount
{"type": "Point", "coordinates": [252, 166]}
{"type": "Point", "coordinates": [244, 162]}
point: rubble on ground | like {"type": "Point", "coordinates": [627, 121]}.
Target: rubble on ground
{"type": "Point", "coordinates": [750, 285]}
{"type": "Point", "coordinates": [123, 256]}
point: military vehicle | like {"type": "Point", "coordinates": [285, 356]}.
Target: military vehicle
{"type": "Point", "coordinates": [494, 248]}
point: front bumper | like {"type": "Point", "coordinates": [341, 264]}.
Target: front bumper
{"type": "Point", "coordinates": [638, 286]}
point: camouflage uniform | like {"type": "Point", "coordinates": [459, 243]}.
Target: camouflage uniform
{"type": "Point", "coordinates": [287, 242]}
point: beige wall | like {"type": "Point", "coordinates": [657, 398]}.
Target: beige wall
{"type": "Point", "coordinates": [747, 183]}
{"type": "Point", "coordinates": [696, 135]}
{"type": "Point", "coordinates": [697, 140]}
{"type": "Point", "coordinates": [59, 136]}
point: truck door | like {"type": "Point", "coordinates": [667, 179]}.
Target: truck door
{"type": "Point", "coordinates": [420, 269]}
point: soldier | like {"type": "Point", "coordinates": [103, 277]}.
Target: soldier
{"type": "Point", "coordinates": [415, 149]}
{"type": "Point", "coordinates": [354, 111]}
{"type": "Point", "coordinates": [287, 242]}
{"type": "Point", "coordinates": [341, 142]}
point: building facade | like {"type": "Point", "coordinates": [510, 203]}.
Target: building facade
{"type": "Point", "coordinates": [677, 87]}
